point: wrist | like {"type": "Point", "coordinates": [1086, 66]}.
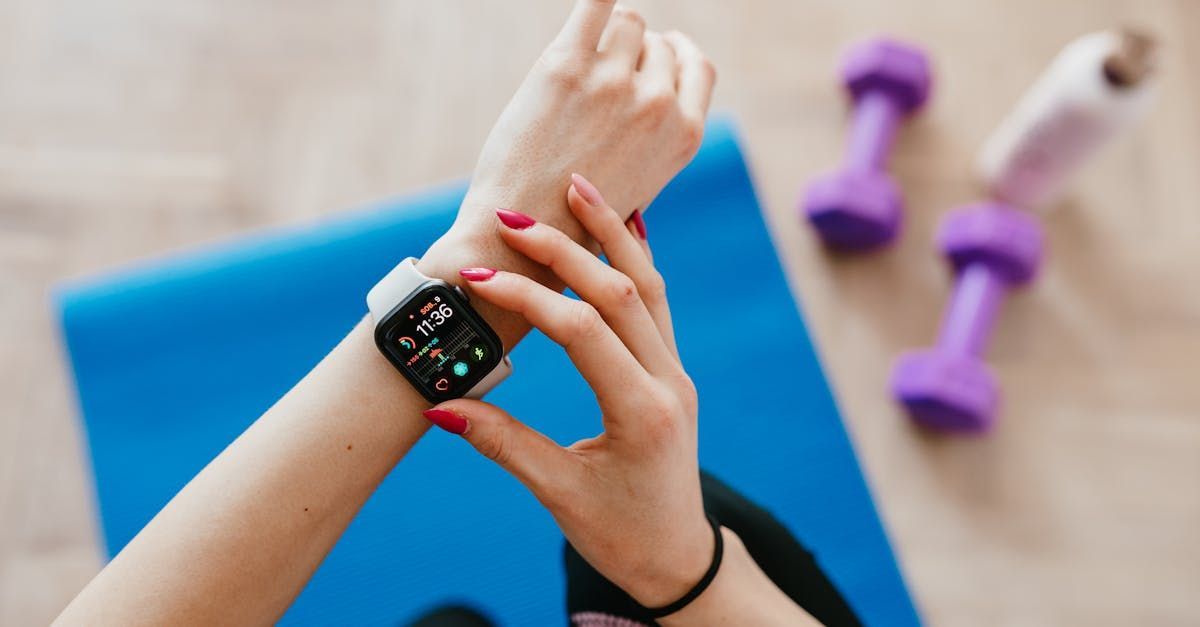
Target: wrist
{"type": "Point", "coordinates": [740, 594]}
{"type": "Point", "coordinates": [723, 585]}
{"type": "Point", "coordinates": [675, 568]}
{"type": "Point", "coordinates": [470, 244]}
{"type": "Point", "coordinates": [458, 248]}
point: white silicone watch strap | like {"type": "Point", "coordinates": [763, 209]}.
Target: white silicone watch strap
{"type": "Point", "coordinates": [396, 286]}
{"type": "Point", "coordinates": [493, 378]}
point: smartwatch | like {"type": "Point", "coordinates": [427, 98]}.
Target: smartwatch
{"type": "Point", "coordinates": [428, 330]}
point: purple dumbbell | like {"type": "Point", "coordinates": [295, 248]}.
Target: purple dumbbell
{"type": "Point", "coordinates": [992, 247]}
{"type": "Point", "coordinates": [859, 205]}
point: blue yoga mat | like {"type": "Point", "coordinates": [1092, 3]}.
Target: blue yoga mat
{"type": "Point", "coordinates": [174, 357]}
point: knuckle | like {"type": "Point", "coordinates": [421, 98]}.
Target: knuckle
{"type": "Point", "coordinates": [567, 79]}
{"type": "Point", "coordinates": [665, 404]}
{"type": "Point", "coordinates": [664, 429]}
{"type": "Point", "coordinates": [621, 291]}
{"type": "Point", "coordinates": [630, 15]}
{"type": "Point", "coordinates": [663, 416]}
{"type": "Point", "coordinates": [586, 322]}
{"type": "Point", "coordinates": [557, 248]}
{"type": "Point", "coordinates": [679, 42]}
{"type": "Point", "coordinates": [689, 398]}
{"type": "Point", "coordinates": [692, 136]}
{"type": "Point", "coordinates": [653, 287]}
{"type": "Point", "coordinates": [563, 68]}
{"type": "Point", "coordinates": [659, 103]}
{"type": "Point", "coordinates": [494, 446]}
{"type": "Point", "coordinates": [612, 85]}
{"type": "Point", "coordinates": [522, 293]}
{"type": "Point", "coordinates": [556, 241]}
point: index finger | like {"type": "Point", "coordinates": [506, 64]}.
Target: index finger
{"type": "Point", "coordinates": [603, 360]}
{"type": "Point", "coordinates": [627, 253]}
{"type": "Point", "coordinates": [585, 24]}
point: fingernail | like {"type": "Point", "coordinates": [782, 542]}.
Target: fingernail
{"type": "Point", "coordinates": [587, 190]}
{"type": "Point", "coordinates": [638, 223]}
{"type": "Point", "coordinates": [515, 219]}
{"type": "Point", "coordinates": [447, 420]}
{"type": "Point", "coordinates": [477, 274]}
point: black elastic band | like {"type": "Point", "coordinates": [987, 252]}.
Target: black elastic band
{"type": "Point", "coordinates": [699, 588]}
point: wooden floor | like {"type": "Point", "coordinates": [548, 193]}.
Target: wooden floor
{"type": "Point", "coordinates": [134, 127]}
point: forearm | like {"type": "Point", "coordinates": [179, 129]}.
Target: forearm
{"type": "Point", "coordinates": [741, 594]}
{"type": "Point", "coordinates": [240, 541]}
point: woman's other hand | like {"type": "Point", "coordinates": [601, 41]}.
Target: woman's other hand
{"type": "Point", "coordinates": [628, 499]}
{"type": "Point", "coordinates": [606, 97]}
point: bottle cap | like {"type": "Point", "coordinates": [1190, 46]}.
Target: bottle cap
{"type": "Point", "coordinates": [1132, 60]}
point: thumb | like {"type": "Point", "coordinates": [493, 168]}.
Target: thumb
{"type": "Point", "coordinates": [531, 457]}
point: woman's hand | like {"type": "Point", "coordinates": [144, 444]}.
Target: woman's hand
{"type": "Point", "coordinates": [606, 97]}
{"type": "Point", "coordinates": [628, 499]}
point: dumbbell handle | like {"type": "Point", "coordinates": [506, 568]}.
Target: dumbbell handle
{"type": "Point", "coordinates": [967, 324]}
{"type": "Point", "coordinates": [876, 116]}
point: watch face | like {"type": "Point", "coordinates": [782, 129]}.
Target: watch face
{"type": "Point", "coordinates": [439, 343]}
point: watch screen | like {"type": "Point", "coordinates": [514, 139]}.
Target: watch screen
{"type": "Point", "coordinates": [439, 342]}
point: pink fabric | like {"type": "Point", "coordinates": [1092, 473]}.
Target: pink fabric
{"type": "Point", "coordinates": [596, 619]}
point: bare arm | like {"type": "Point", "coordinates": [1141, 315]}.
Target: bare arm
{"type": "Point", "coordinates": [241, 540]}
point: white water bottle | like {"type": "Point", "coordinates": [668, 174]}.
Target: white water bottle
{"type": "Point", "coordinates": [1098, 85]}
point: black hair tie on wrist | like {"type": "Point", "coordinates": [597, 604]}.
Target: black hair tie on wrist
{"type": "Point", "coordinates": [699, 588]}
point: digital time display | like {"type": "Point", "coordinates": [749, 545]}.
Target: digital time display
{"type": "Point", "coordinates": [438, 342]}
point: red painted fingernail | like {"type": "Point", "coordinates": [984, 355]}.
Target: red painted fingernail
{"type": "Point", "coordinates": [638, 223]}
{"type": "Point", "coordinates": [515, 219]}
{"type": "Point", "coordinates": [447, 420]}
{"type": "Point", "coordinates": [477, 274]}
{"type": "Point", "coordinates": [587, 190]}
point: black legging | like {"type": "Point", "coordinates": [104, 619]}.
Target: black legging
{"type": "Point", "coordinates": [792, 568]}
